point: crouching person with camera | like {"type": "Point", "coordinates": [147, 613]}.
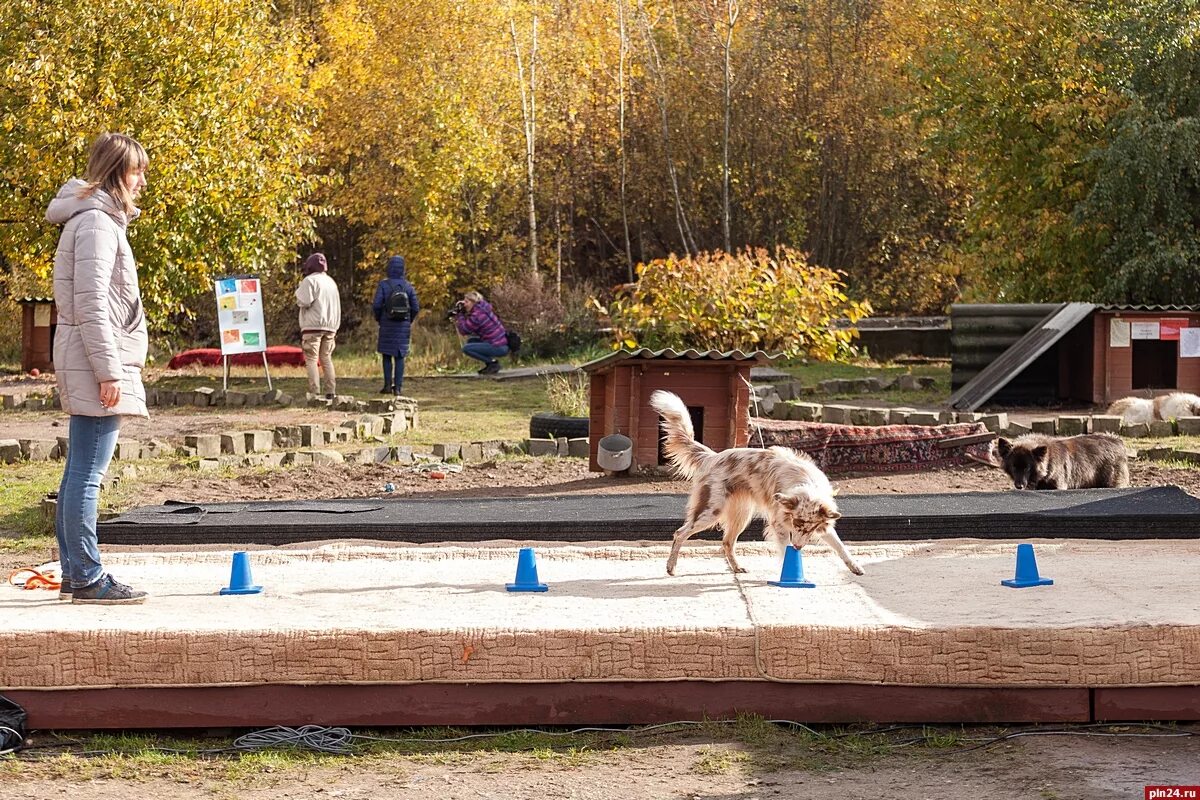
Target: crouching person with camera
{"type": "Point", "coordinates": [486, 338]}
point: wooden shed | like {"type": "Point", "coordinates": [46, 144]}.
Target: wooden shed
{"type": "Point", "coordinates": [38, 321]}
{"type": "Point", "coordinates": [1086, 353]}
{"type": "Point", "coordinates": [714, 385]}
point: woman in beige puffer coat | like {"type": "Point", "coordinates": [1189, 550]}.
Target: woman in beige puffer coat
{"type": "Point", "coordinates": [99, 350]}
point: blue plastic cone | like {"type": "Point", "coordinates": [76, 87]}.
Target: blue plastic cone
{"type": "Point", "coordinates": [240, 581]}
{"type": "Point", "coordinates": [792, 576]}
{"type": "Point", "coordinates": [527, 577]}
{"type": "Point", "coordinates": [1027, 571]}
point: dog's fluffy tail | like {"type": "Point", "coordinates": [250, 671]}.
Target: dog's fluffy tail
{"type": "Point", "coordinates": [686, 454]}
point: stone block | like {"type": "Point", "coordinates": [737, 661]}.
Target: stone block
{"type": "Point", "coordinates": [967, 416]}
{"type": "Point", "coordinates": [1139, 430]}
{"type": "Point", "coordinates": [996, 423]}
{"type": "Point", "coordinates": [208, 465]}
{"type": "Point", "coordinates": [254, 460]}
{"type": "Point", "coordinates": [258, 441]}
{"type": "Point", "coordinates": [1188, 426]}
{"type": "Point", "coordinates": [287, 436]}
{"type": "Point", "coordinates": [341, 435]}
{"type": "Point", "coordinates": [926, 382]}
{"type": "Point", "coordinates": [285, 400]}
{"type": "Point", "coordinates": [206, 445]}
{"type": "Point", "coordinates": [395, 423]}
{"type": "Point", "coordinates": [233, 443]}
{"type": "Point", "coordinates": [1158, 453]}
{"type": "Point", "coordinates": [491, 449]}
{"type": "Point", "coordinates": [785, 391]}
{"type": "Point", "coordinates": [1161, 428]}
{"type": "Point", "coordinates": [763, 406]}
{"type": "Point", "coordinates": [316, 401]}
{"type": "Point", "coordinates": [312, 435]}
{"type": "Point", "coordinates": [327, 457]}
{"type": "Point", "coordinates": [301, 457]}
{"type": "Point", "coordinates": [563, 447]}
{"type": "Point", "coordinates": [1189, 456]}
{"type": "Point", "coordinates": [447, 450]}
{"type": "Point", "coordinates": [535, 447]}
{"type": "Point", "coordinates": [923, 418]}
{"type": "Point", "coordinates": [946, 417]}
{"type": "Point", "coordinates": [186, 452]}
{"type": "Point", "coordinates": [578, 448]}
{"type": "Point", "coordinates": [806, 412]}
{"type": "Point", "coordinates": [273, 459]}
{"type": "Point", "coordinates": [836, 414]}
{"type": "Point", "coordinates": [253, 400]}
{"type": "Point", "coordinates": [472, 453]}
{"type": "Point", "coordinates": [899, 416]}
{"type": "Point", "coordinates": [127, 450]}
{"type": "Point", "coordinates": [203, 397]}
{"type": "Point", "coordinates": [155, 448]}
{"type": "Point", "coordinates": [36, 404]}
{"type": "Point", "coordinates": [878, 416]}
{"type": "Point", "coordinates": [1014, 429]}
{"type": "Point", "coordinates": [403, 454]}
{"type": "Point", "coordinates": [10, 451]}
{"type": "Point", "coordinates": [1047, 427]}
{"type": "Point", "coordinates": [370, 425]}
{"type": "Point", "coordinates": [1072, 426]}
{"type": "Point", "coordinates": [381, 406]}
{"type": "Point", "coordinates": [235, 399]}
{"type": "Point", "coordinates": [273, 396]}
{"type": "Point", "coordinates": [37, 449]}
{"type": "Point", "coordinates": [13, 400]}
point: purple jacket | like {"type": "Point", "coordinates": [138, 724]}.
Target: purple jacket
{"type": "Point", "coordinates": [482, 323]}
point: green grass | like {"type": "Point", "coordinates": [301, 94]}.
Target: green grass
{"type": "Point", "coordinates": [21, 491]}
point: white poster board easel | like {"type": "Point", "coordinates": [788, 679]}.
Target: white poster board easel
{"type": "Point", "coordinates": [240, 320]}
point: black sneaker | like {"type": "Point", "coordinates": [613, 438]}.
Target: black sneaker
{"type": "Point", "coordinates": [387, 389]}
{"type": "Point", "coordinates": [331, 397]}
{"type": "Point", "coordinates": [108, 591]}
{"type": "Point", "coordinates": [65, 592]}
{"type": "Point", "coordinates": [491, 369]}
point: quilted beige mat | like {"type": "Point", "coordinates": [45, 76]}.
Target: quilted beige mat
{"type": "Point", "coordinates": [1119, 614]}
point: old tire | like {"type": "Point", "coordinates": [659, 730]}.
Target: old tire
{"type": "Point", "coordinates": [546, 425]}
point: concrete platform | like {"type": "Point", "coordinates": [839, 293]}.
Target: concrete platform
{"type": "Point", "coordinates": [351, 633]}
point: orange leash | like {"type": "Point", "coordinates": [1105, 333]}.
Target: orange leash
{"type": "Point", "coordinates": [36, 580]}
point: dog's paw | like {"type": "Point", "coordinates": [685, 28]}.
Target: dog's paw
{"type": "Point", "coordinates": [739, 570]}
{"type": "Point", "coordinates": [856, 569]}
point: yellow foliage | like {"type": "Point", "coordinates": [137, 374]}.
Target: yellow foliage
{"type": "Point", "coordinates": [750, 300]}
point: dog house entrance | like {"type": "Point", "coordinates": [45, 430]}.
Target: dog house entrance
{"type": "Point", "coordinates": [697, 415]}
{"type": "Point", "coordinates": [1154, 363]}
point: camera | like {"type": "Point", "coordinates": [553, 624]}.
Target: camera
{"type": "Point", "coordinates": [456, 309]}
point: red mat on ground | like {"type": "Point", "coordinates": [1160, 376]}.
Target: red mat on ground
{"type": "Point", "coordinates": [277, 356]}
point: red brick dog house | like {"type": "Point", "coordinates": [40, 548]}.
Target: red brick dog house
{"type": "Point", "coordinates": [714, 385]}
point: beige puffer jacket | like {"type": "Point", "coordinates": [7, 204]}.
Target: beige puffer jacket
{"type": "Point", "coordinates": [101, 333]}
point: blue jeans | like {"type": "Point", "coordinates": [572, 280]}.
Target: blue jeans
{"type": "Point", "coordinates": [482, 351]}
{"type": "Point", "coordinates": [90, 447]}
{"type": "Point", "coordinates": [398, 361]}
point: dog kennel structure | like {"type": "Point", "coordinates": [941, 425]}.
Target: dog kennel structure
{"type": "Point", "coordinates": [714, 385]}
{"type": "Point", "coordinates": [39, 318]}
{"type": "Point", "coordinates": [1082, 352]}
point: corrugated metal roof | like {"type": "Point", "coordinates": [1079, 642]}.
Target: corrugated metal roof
{"type": "Point", "coordinates": [1192, 309]}
{"type": "Point", "coordinates": [996, 375]}
{"type": "Point", "coordinates": [35, 299]}
{"type": "Point", "coordinates": [646, 354]}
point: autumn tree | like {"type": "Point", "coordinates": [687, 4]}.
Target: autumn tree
{"type": "Point", "coordinates": [216, 92]}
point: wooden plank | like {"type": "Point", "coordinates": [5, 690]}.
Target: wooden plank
{"type": "Point", "coordinates": [1132, 703]}
{"type": "Point", "coordinates": [570, 703]}
{"type": "Point", "coordinates": [963, 441]}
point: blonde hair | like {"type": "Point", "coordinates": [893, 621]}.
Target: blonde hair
{"type": "Point", "coordinates": [114, 156]}
{"type": "Point", "coordinates": [474, 297]}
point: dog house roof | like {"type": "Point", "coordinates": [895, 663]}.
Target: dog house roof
{"type": "Point", "coordinates": [646, 354]}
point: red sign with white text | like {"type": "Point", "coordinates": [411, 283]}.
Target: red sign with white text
{"type": "Point", "coordinates": [1168, 329]}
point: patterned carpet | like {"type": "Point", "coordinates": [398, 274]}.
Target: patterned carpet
{"type": "Point", "coordinates": [868, 449]}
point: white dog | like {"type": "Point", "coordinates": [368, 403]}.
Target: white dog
{"type": "Point", "coordinates": [1133, 410]}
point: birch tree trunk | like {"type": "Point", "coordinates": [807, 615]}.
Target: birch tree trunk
{"type": "Point", "coordinates": [529, 118]}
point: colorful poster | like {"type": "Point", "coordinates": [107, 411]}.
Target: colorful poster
{"type": "Point", "coordinates": [240, 315]}
{"type": "Point", "coordinates": [1169, 328]}
{"type": "Point", "coordinates": [1118, 333]}
{"type": "Point", "coordinates": [1144, 330]}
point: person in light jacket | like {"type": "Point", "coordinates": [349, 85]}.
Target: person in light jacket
{"type": "Point", "coordinates": [394, 334]}
{"type": "Point", "coordinates": [320, 318]}
{"type": "Point", "coordinates": [99, 350]}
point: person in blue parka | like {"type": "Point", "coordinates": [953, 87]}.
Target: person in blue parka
{"type": "Point", "coordinates": [395, 326]}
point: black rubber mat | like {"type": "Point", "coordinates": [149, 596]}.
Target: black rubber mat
{"type": "Point", "coordinates": [1160, 512]}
